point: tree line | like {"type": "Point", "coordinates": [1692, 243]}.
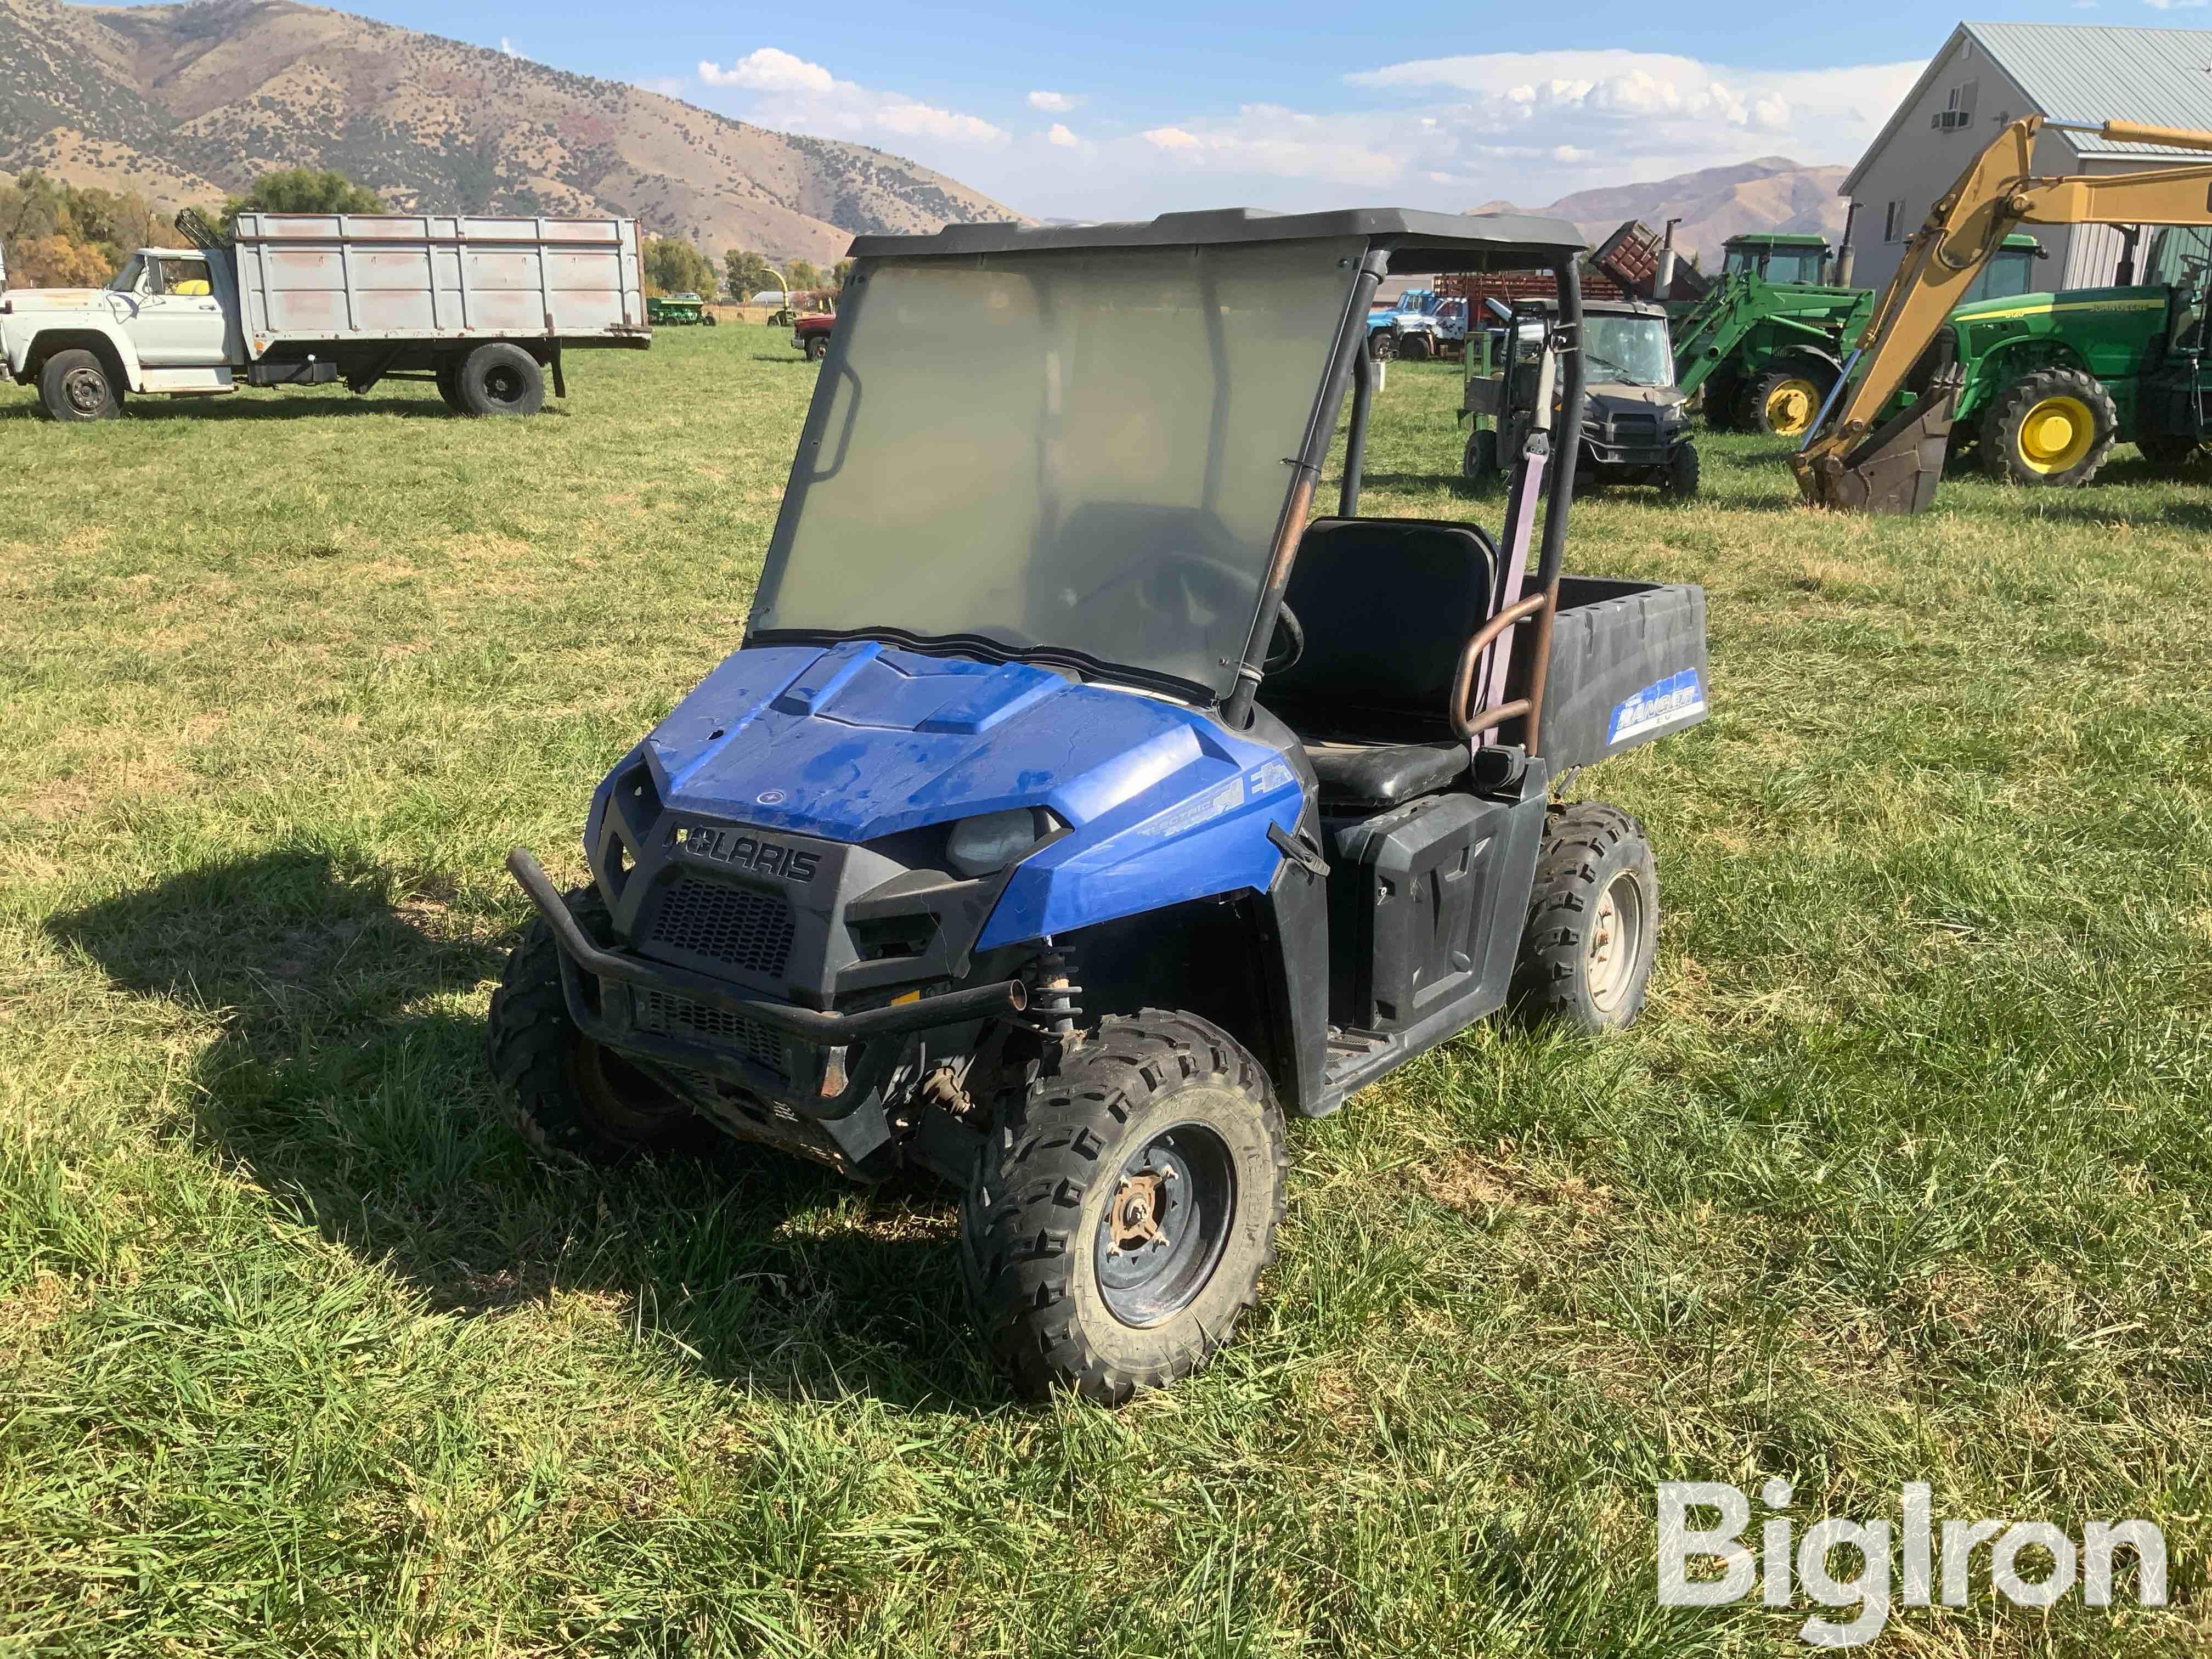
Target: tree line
{"type": "Point", "coordinates": [56, 234]}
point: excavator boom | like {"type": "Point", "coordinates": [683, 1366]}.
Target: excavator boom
{"type": "Point", "coordinates": [1853, 460]}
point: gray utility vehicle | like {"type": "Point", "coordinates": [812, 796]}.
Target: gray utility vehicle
{"type": "Point", "coordinates": [483, 307]}
{"type": "Point", "coordinates": [1074, 807]}
{"type": "Point", "coordinates": [1636, 421]}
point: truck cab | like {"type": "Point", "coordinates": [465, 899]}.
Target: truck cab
{"type": "Point", "coordinates": [166, 322]}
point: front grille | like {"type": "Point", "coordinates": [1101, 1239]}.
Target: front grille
{"type": "Point", "coordinates": [675, 1016]}
{"type": "Point", "coordinates": [749, 931]}
{"type": "Point", "coordinates": [1636, 428]}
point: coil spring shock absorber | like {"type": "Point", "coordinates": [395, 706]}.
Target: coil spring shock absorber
{"type": "Point", "coordinates": [1055, 998]}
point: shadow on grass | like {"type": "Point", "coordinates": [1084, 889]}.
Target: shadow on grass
{"type": "Point", "coordinates": [351, 1089]}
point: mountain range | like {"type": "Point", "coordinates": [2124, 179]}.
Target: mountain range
{"type": "Point", "coordinates": [188, 103]}
{"type": "Point", "coordinates": [1713, 203]}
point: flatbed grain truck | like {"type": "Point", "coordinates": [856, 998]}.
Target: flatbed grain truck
{"type": "Point", "coordinates": [483, 307]}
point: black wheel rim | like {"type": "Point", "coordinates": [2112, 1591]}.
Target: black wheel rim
{"type": "Point", "coordinates": [1165, 1224]}
{"type": "Point", "coordinates": [85, 389]}
{"type": "Point", "coordinates": [503, 384]}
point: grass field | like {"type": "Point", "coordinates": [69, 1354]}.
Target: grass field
{"type": "Point", "coordinates": [1903, 1176]}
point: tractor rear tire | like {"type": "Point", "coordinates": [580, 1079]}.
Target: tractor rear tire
{"type": "Point", "coordinates": [500, 379]}
{"type": "Point", "coordinates": [1678, 481]}
{"type": "Point", "coordinates": [571, 1098]}
{"type": "Point", "coordinates": [1121, 1214]}
{"type": "Point", "coordinates": [1784, 401]}
{"type": "Point", "coordinates": [1593, 930]}
{"type": "Point", "coordinates": [2169, 455]}
{"type": "Point", "coordinates": [75, 386]}
{"type": "Point", "coordinates": [2054, 426]}
{"type": "Point", "coordinates": [1477, 462]}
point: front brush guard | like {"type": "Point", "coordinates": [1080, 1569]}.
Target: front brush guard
{"type": "Point", "coordinates": [613, 1020]}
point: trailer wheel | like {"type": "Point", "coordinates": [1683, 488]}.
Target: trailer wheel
{"type": "Point", "coordinates": [500, 379]}
{"type": "Point", "coordinates": [1678, 480]}
{"type": "Point", "coordinates": [1121, 1217]}
{"type": "Point", "coordinates": [1784, 401]}
{"type": "Point", "coordinates": [2170, 456]}
{"type": "Point", "coordinates": [570, 1096]}
{"type": "Point", "coordinates": [1479, 460]}
{"type": "Point", "coordinates": [2053, 427]}
{"type": "Point", "coordinates": [74, 385]}
{"type": "Point", "coordinates": [1593, 921]}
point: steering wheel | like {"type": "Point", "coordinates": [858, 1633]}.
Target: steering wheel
{"type": "Point", "coordinates": [1288, 643]}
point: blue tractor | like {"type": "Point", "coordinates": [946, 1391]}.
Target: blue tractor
{"type": "Point", "coordinates": [1080, 804]}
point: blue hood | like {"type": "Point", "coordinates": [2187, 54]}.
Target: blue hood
{"type": "Point", "coordinates": [861, 740]}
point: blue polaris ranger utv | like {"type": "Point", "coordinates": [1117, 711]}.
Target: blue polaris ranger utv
{"type": "Point", "coordinates": [1079, 803]}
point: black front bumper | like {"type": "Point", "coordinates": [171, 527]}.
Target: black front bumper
{"type": "Point", "coordinates": [610, 994]}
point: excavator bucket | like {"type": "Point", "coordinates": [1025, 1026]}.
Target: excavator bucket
{"type": "Point", "coordinates": [1896, 469]}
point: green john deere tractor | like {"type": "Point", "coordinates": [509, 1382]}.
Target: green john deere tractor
{"type": "Point", "coordinates": [2050, 382]}
{"type": "Point", "coordinates": [1768, 343]}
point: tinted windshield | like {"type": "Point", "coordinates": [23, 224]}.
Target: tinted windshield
{"type": "Point", "coordinates": [2010, 270]}
{"type": "Point", "coordinates": [1632, 349]}
{"type": "Point", "coordinates": [1799, 264]}
{"type": "Point", "coordinates": [1078, 450]}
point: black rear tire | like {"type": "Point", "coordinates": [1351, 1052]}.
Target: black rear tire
{"type": "Point", "coordinates": [1122, 1215]}
{"type": "Point", "coordinates": [1416, 348]}
{"type": "Point", "coordinates": [75, 386]}
{"type": "Point", "coordinates": [570, 1096]}
{"type": "Point", "coordinates": [1593, 921]}
{"type": "Point", "coordinates": [500, 379]}
{"type": "Point", "coordinates": [449, 384]}
{"type": "Point", "coordinates": [817, 348]}
{"type": "Point", "coordinates": [2054, 426]}
{"type": "Point", "coordinates": [1721, 391]}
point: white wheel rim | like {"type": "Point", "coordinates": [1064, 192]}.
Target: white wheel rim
{"type": "Point", "coordinates": [1615, 943]}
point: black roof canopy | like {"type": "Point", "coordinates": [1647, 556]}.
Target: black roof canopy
{"type": "Point", "coordinates": [1416, 241]}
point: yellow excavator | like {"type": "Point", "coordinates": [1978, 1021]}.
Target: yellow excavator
{"type": "Point", "coordinates": [1855, 458]}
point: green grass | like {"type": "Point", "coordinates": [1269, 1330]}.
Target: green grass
{"type": "Point", "coordinates": [1903, 1175]}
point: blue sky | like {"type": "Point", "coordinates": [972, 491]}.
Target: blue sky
{"type": "Point", "coordinates": [1092, 111]}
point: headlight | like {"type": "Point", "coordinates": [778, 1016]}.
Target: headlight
{"type": "Point", "coordinates": [980, 845]}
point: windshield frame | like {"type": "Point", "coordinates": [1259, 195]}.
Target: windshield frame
{"type": "Point", "coordinates": [1332, 355]}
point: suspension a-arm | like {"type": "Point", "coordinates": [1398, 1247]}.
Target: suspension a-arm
{"type": "Point", "coordinates": [1847, 460]}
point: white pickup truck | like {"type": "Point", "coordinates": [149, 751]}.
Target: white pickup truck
{"type": "Point", "coordinates": [483, 307]}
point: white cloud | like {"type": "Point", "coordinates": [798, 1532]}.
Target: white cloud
{"type": "Point", "coordinates": [770, 69]}
{"type": "Point", "coordinates": [2177, 5]}
{"type": "Point", "coordinates": [1053, 103]}
{"type": "Point", "coordinates": [1171, 138]}
{"type": "Point", "coordinates": [790, 93]}
{"type": "Point", "coordinates": [1061, 137]}
{"type": "Point", "coordinates": [510, 48]}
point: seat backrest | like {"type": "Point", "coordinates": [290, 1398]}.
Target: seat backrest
{"type": "Point", "coordinates": [1387, 605]}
